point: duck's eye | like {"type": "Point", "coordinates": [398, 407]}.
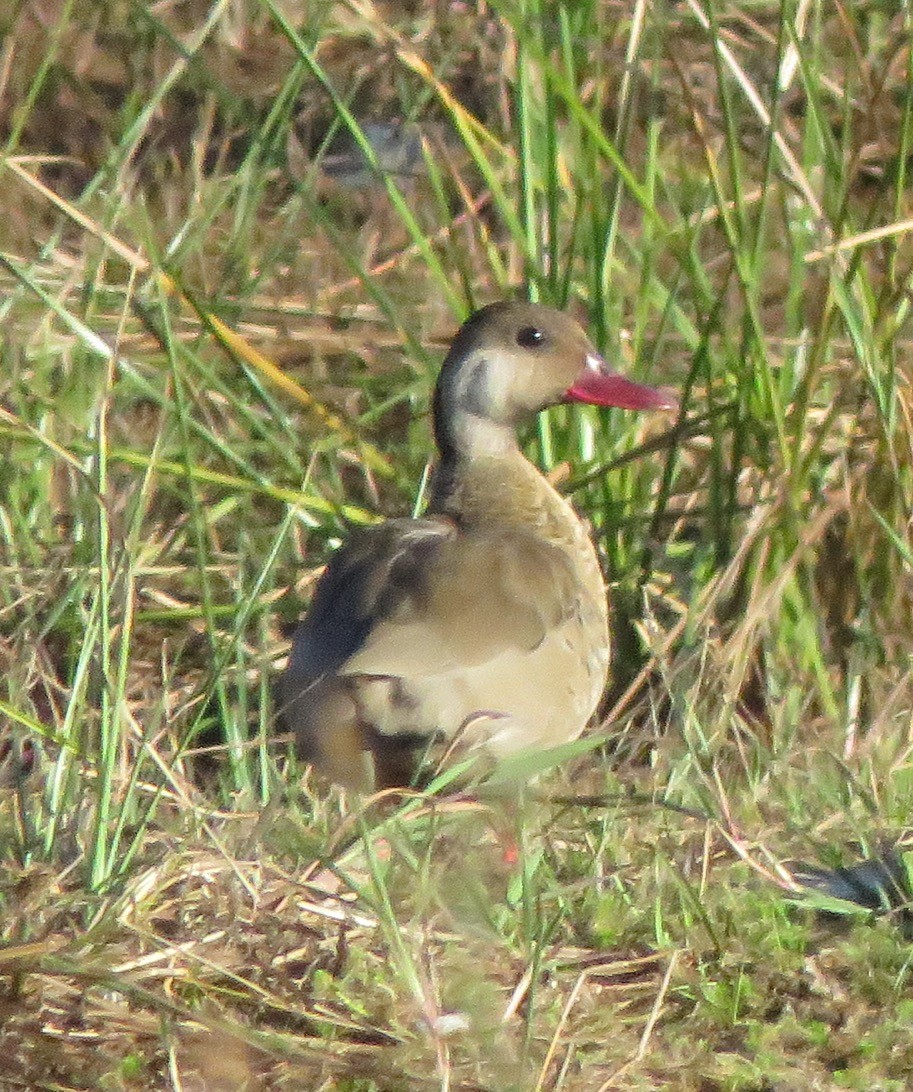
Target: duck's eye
{"type": "Point", "coordinates": [530, 337]}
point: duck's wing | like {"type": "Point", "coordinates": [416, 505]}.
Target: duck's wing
{"type": "Point", "coordinates": [463, 601]}
{"type": "Point", "coordinates": [360, 586]}
{"type": "Point", "coordinates": [417, 597]}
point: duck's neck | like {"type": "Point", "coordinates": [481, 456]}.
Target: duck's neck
{"type": "Point", "coordinates": [503, 490]}
{"type": "Point", "coordinates": [471, 444]}
{"type": "Point", "coordinates": [484, 480]}
{"type": "Point", "coordinates": [492, 488]}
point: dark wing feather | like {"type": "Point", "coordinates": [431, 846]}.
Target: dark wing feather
{"type": "Point", "coordinates": [363, 583]}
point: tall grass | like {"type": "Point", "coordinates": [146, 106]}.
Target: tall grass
{"type": "Point", "coordinates": [216, 356]}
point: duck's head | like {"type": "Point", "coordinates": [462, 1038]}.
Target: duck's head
{"type": "Point", "coordinates": [511, 360]}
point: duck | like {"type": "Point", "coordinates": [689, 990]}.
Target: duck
{"type": "Point", "coordinates": [482, 627]}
